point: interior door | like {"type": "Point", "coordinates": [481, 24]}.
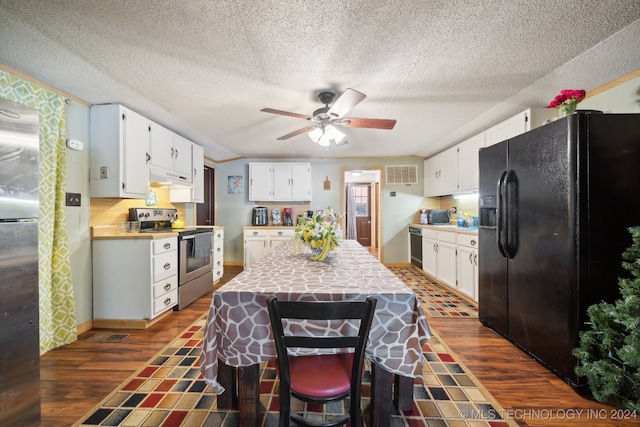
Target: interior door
{"type": "Point", "coordinates": [205, 214]}
{"type": "Point", "coordinates": [363, 214]}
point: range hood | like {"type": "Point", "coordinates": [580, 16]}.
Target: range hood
{"type": "Point", "coordinates": [159, 177]}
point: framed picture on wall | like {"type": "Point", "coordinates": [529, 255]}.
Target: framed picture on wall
{"type": "Point", "coordinates": [234, 184]}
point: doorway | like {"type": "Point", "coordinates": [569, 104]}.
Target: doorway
{"type": "Point", "coordinates": [361, 195]}
{"type": "Point", "coordinates": [362, 204]}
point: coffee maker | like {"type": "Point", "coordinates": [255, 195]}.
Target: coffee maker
{"type": "Point", "coordinates": [288, 217]}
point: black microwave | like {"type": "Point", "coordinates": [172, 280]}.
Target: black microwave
{"type": "Point", "coordinates": [439, 216]}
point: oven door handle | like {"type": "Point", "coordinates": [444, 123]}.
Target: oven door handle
{"type": "Point", "coordinates": [188, 237]}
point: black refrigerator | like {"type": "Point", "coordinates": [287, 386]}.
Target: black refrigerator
{"type": "Point", "coordinates": [555, 204]}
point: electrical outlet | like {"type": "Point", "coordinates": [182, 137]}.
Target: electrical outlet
{"type": "Point", "coordinates": [454, 210]}
{"type": "Point", "coordinates": [104, 172]}
{"type": "Point", "coordinates": [73, 199]}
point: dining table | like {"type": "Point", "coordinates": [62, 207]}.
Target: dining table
{"type": "Point", "coordinates": [238, 335]}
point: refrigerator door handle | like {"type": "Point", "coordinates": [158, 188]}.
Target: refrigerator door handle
{"type": "Point", "coordinates": [500, 214]}
{"type": "Point", "coordinates": [511, 203]}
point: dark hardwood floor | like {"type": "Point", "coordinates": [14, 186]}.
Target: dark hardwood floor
{"type": "Point", "coordinates": [77, 377]}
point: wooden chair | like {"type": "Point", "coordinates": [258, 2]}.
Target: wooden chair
{"type": "Point", "coordinates": [320, 378]}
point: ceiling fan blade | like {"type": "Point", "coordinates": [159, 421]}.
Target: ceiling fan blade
{"type": "Point", "coordinates": [295, 133]}
{"type": "Point", "coordinates": [286, 113]}
{"type": "Point", "coordinates": [349, 99]}
{"type": "Point", "coordinates": [368, 123]}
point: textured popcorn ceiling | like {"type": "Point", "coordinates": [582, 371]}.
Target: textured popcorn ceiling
{"type": "Point", "coordinates": [444, 70]}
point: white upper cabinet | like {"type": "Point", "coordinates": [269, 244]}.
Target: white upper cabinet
{"type": "Point", "coordinates": [529, 119]}
{"type": "Point", "coordinates": [468, 163]}
{"type": "Point", "coordinates": [182, 155]}
{"type": "Point", "coordinates": [161, 146]}
{"type": "Point", "coordinates": [171, 152]}
{"type": "Point", "coordinates": [183, 194]}
{"type": "Point", "coordinates": [119, 152]}
{"type": "Point", "coordinates": [279, 181]}
{"type": "Point", "coordinates": [291, 181]}
{"type": "Point", "coordinates": [260, 181]}
{"type": "Point", "coordinates": [449, 173]}
{"type": "Point", "coordinates": [197, 160]}
{"type": "Point", "coordinates": [441, 173]}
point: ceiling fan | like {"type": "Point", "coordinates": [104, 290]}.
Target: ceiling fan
{"type": "Point", "coordinates": [324, 120]}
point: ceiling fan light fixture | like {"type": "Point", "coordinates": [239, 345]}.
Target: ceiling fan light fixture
{"type": "Point", "coordinates": [334, 134]}
{"type": "Point", "coordinates": [324, 141]}
{"type": "Point", "coordinates": [315, 134]}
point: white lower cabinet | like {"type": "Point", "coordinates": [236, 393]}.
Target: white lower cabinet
{"type": "Point", "coordinates": [468, 265]}
{"type": "Point", "coordinates": [134, 279]}
{"type": "Point", "coordinates": [452, 258]}
{"type": "Point", "coordinates": [218, 254]}
{"type": "Point", "coordinates": [258, 241]}
{"type": "Point", "coordinates": [446, 258]}
{"type": "Point", "coordinates": [429, 252]}
{"type": "Point", "coordinates": [439, 255]}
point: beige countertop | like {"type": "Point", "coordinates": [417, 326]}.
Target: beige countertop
{"type": "Point", "coordinates": [449, 227]}
{"type": "Point", "coordinates": [113, 232]}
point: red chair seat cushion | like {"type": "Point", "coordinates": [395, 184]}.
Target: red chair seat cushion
{"type": "Point", "coordinates": [321, 375]}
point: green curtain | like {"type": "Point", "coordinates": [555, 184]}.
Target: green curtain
{"type": "Point", "coordinates": [57, 305]}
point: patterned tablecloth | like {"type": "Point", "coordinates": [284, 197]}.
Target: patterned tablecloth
{"type": "Point", "coordinates": [238, 330]}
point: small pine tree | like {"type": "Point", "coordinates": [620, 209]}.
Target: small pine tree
{"type": "Point", "coordinates": [609, 353]}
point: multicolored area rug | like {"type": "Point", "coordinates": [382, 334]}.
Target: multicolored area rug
{"type": "Point", "coordinates": [170, 392]}
{"type": "Point", "coordinates": [439, 300]}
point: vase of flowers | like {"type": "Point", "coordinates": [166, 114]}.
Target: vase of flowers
{"type": "Point", "coordinates": [567, 101]}
{"type": "Point", "coordinates": [318, 232]}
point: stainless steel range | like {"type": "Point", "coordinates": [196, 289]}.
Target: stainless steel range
{"type": "Point", "coordinates": [195, 252]}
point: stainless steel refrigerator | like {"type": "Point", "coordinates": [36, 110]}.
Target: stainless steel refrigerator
{"type": "Point", "coordinates": [19, 319]}
{"type": "Point", "coordinates": [554, 205]}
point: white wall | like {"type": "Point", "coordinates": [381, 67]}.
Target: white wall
{"type": "Point", "coordinates": [233, 211]}
{"type": "Point", "coordinates": [624, 98]}
{"type": "Point", "coordinates": [78, 217]}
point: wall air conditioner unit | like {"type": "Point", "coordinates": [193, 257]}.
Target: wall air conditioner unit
{"type": "Point", "coordinates": [407, 174]}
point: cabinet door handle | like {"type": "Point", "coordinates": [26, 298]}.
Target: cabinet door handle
{"type": "Point", "coordinates": [255, 233]}
{"type": "Point", "coordinates": [280, 233]}
{"type": "Point", "coordinates": [473, 242]}
{"type": "Point", "coordinates": [167, 266]}
{"type": "Point", "coordinates": [176, 153]}
{"type": "Point", "coordinates": [471, 258]}
{"type": "Point", "coordinates": [167, 301]}
{"type": "Point", "coordinates": [195, 172]}
{"type": "Point", "coordinates": [148, 158]}
{"type": "Point", "coordinates": [167, 245]}
{"type": "Point", "coordinates": [219, 250]}
{"type": "Point", "coordinates": [172, 151]}
{"type": "Point", "coordinates": [475, 259]}
{"type": "Point", "coordinates": [167, 286]}
{"type": "Point", "coordinates": [219, 263]}
{"type": "Point", "coordinates": [219, 273]}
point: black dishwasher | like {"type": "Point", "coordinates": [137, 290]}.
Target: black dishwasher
{"type": "Point", "coordinates": [415, 237]}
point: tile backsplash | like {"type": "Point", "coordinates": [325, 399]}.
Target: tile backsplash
{"type": "Point", "coordinates": [114, 211]}
{"type": "Point", "coordinates": [447, 202]}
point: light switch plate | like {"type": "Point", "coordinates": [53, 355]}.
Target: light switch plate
{"type": "Point", "coordinates": [73, 199]}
